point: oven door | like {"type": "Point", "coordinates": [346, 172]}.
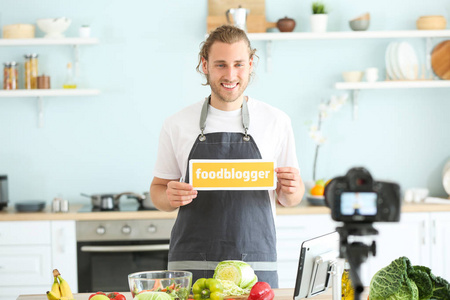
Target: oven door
{"type": "Point", "coordinates": [104, 266]}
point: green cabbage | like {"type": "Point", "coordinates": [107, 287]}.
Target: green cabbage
{"type": "Point", "coordinates": [402, 281]}
{"type": "Point", "coordinates": [236, 271]}
{"type": "Point", "coordinates": [231, 289]}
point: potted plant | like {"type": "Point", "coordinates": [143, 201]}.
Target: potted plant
{"type": "Point", "coordinates": [319, 17]}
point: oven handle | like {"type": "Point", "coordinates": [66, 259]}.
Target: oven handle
{"type": "Point", "coordinates": [138, 248]}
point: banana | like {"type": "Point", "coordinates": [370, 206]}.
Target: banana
{"type": "Point", "coordinates": [52, 296]}
{"type": "Point", "coordinates": [63, 286]}
{"type": "Point", "coordinates": [55, 288]}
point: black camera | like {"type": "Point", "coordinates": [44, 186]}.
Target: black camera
{"type": "Point", "coordinates": [357, 198]}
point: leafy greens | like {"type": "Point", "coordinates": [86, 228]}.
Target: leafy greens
{"type": "Point", "coordinates": [402, 281]}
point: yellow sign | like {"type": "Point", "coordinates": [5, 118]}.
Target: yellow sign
{"type": "Point", "coordinates": [232, 174]}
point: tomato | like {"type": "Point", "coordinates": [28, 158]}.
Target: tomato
{"type": "Point", "coordinates": [98, 293]}
{"type": "Point", "coordinates": [116, 296]}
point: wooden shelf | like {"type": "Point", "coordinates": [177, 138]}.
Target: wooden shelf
{"type": "Point", "coordinates": [392, 85]}
{"type": "Point", "coordinates": [48, 41]}
{"type": "Point", "coordinates": [271, 36]}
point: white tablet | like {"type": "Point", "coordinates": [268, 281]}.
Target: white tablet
{"type": "Point", "coordinates": [316, 257]}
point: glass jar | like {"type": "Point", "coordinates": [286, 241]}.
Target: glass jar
{"type": "Point", "coordinates": [31, 71]}
{"type": "Point", "coordinates": [10, 76]}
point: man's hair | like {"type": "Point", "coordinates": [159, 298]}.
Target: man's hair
{"type": "Point", "coordinates": [228, 34]}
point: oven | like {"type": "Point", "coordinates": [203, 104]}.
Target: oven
{"type": "Point", "coordinates": [107, 251]}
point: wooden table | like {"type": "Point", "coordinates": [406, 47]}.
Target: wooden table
{"type": "Point", "coordinates": [280, 294]}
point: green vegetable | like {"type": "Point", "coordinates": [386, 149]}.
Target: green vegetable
{"type": "Point", "coordinates": [231, 289]}
{"type": "Point", "coordinates": [153, 296]}
{"type": "Point", "coordinates": [402, 281]}
{"type": "Point", "coordinates": [207, 289]}
{"type": "Point", "coordinates": [236, 271]}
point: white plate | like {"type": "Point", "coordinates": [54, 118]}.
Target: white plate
{"type": "Point", "coordinates": [394, 62]}
{"type": "Point", "coordinates": [387, 60]}
{"type": "Point", "coordinates": [407, 61]}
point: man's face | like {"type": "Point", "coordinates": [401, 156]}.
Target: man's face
{"type": "Point", "coordinates": [228, 70]}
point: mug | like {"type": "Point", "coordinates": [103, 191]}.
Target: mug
{"type": "Point", "coordinates": [371, 74]}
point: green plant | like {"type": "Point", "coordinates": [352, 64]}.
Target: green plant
{"type": "Point", "coordinates": [402, 281]}
{"type": "Point", "coordinates": [318, 8]}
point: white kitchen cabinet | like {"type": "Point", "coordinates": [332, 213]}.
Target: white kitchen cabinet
{"type": "Point", "coordinates": [292, 230]}
{"type": "Point", "coordinates": [440, 244]}
{"type": "Point", "coordinates": [30, 250]}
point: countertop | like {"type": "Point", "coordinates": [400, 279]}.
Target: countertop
{"type": "Point", "coordinates": [280, 294]}
{"type": "Point", "coordinates": [10, 214]}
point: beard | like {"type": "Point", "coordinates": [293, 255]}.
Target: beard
{"type": "Point", "coordinates": [224, 95]}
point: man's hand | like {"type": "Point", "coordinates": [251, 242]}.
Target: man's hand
{"type": "Point", "coordinates": [180, 193]}
{"type": "Point", "coordinates": [290, 188]}
{"type": "Point", "coordinates": [169, 194]}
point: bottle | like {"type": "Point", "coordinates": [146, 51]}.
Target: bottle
{"type": "Point", "coordinates": [348, 293]}
{"type": "Point", "coordinates": [69, 83]}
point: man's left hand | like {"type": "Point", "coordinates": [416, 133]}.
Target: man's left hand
{"type": "Point", "coordinates": [290, 186]}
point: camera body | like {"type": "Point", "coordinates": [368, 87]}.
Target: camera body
{"type": "Point", "coordinates": [357, 198]}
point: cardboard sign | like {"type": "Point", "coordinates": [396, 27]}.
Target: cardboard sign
{"type": "Point", "coordinates": [232, 174]}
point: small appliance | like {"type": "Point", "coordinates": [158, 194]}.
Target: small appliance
{"type": "Point", "coordinates": [3, 191]}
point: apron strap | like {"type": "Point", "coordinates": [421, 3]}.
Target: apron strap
{"type": "Point", "coordinates": [204, 115]}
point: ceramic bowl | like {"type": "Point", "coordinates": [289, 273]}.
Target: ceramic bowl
{"type": "Point", "coordinates": [353, 76]}
{"type": "Point", "coordinates": [359, 25]}
{"type": "Point", "coordinates": [176, 283]}
{"type": "Point", "coordinates": [54, 28]}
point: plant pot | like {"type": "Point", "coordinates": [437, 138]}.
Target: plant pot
{"type": "Point", "coordinates": [319, 23]}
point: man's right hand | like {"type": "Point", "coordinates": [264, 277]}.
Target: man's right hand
{"type": "Point", "coordinates": [169, 194]}
{"type": "Point", "coordinates": [180, 193]}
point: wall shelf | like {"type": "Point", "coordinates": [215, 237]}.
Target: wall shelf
{"type": "Point", "coordinates": [46, 41]}
{"type": "Point", "coordinates": [40, 94]}
{"type": "Point", "coordinates": [272, 36]}
{"type": "Point", "coordinates": [355, 87]}
{"type": "Point", "coordinates": [269, 37]}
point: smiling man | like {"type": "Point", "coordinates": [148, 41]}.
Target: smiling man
{"type": "Point", "coordinates": [213, 226]}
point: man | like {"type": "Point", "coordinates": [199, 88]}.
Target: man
{"type": "Point", "coordinates": [213, 226]}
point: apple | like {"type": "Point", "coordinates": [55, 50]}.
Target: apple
{"type": "Point", "coordinates": [320, 182]}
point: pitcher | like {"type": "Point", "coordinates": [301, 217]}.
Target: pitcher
{"type": "Point", "coordinates": [239, 17]}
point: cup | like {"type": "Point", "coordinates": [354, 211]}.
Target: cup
{"type": "Point", "coordinates": [85, 31]}
{"type": "Point", "coordinates": [371, 74]}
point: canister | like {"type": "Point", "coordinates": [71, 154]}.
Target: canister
{"type": "Point", "coordinates": [10, 76]}
{"type": "Point", "coordinates": [31, 71]}
{"type": "Point", "coordinates": [43, 82]}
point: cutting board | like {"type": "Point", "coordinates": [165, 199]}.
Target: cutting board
{"type": "Point", "coordinates": [256, 20]}
{"type": "Point", "coordinates": [440, 60]}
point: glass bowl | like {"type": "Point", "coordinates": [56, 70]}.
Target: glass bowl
{"type": "Point", "coordinates": [175, 283]}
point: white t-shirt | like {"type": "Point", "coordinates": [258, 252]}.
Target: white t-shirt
{"type": "Point", "coordinates": [270, 128]}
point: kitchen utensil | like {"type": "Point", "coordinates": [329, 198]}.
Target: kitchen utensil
{"type": "Point", "coordinates": [256, 20]}
{"type": "Point", "coordinates": [18, 31]}
{"type": "Point", "coordinates": [431, 23]}
{"type": "Point", "coordinates": [54, 27]}
{"type": "Point", "coordinates": [3, 191]}
{"type": "Point", "coordinates": [394, 62]}
{"type": "Point", "coordinates": [440, 60]}
{"type": "Point", "coordinates": [353, 76]}
{"type": "Point", "coordinates": [407, 60]}
{"type": "Point", "coordinates": [238, 17]}
{"type": "Point", "coordinates": [150, 280]}
{"type": "Point", "coordinates": [30, 206]}
{"type": "Point", "coordinates": [371, 74]}
{"type": "Point", "coordinates": [359, 25]}
{"type": "Point", "coordinates": [286, 24]}
{"type": "Point", "coordinates": [316, 200]}
{"type": "Point", "coordinates": [43, 82]}
{"type": "Point", "coordinates": [103, 201]}
{"type": "Point", "coordinates": [387, 55]}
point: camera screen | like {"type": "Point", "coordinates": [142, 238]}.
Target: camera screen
{"type": "Point", "coordinates": [359, 203]}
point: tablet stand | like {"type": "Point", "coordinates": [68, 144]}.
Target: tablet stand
{"type": "Point", "coordinates": [327, 269]}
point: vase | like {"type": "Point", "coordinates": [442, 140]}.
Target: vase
{"type": "Point", "coordinates": [319, 23]}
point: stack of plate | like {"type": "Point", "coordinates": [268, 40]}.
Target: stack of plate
{"type": "Point", "coordinates": [401, 61]}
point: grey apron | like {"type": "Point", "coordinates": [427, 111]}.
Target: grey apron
{"type": "Point", "coordinates": [225, 225]}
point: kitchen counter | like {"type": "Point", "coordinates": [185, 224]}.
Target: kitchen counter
{"type": "Point", "coordinates": [280, 294]}
{"type": "Point", "coordinates": [10, 214]}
